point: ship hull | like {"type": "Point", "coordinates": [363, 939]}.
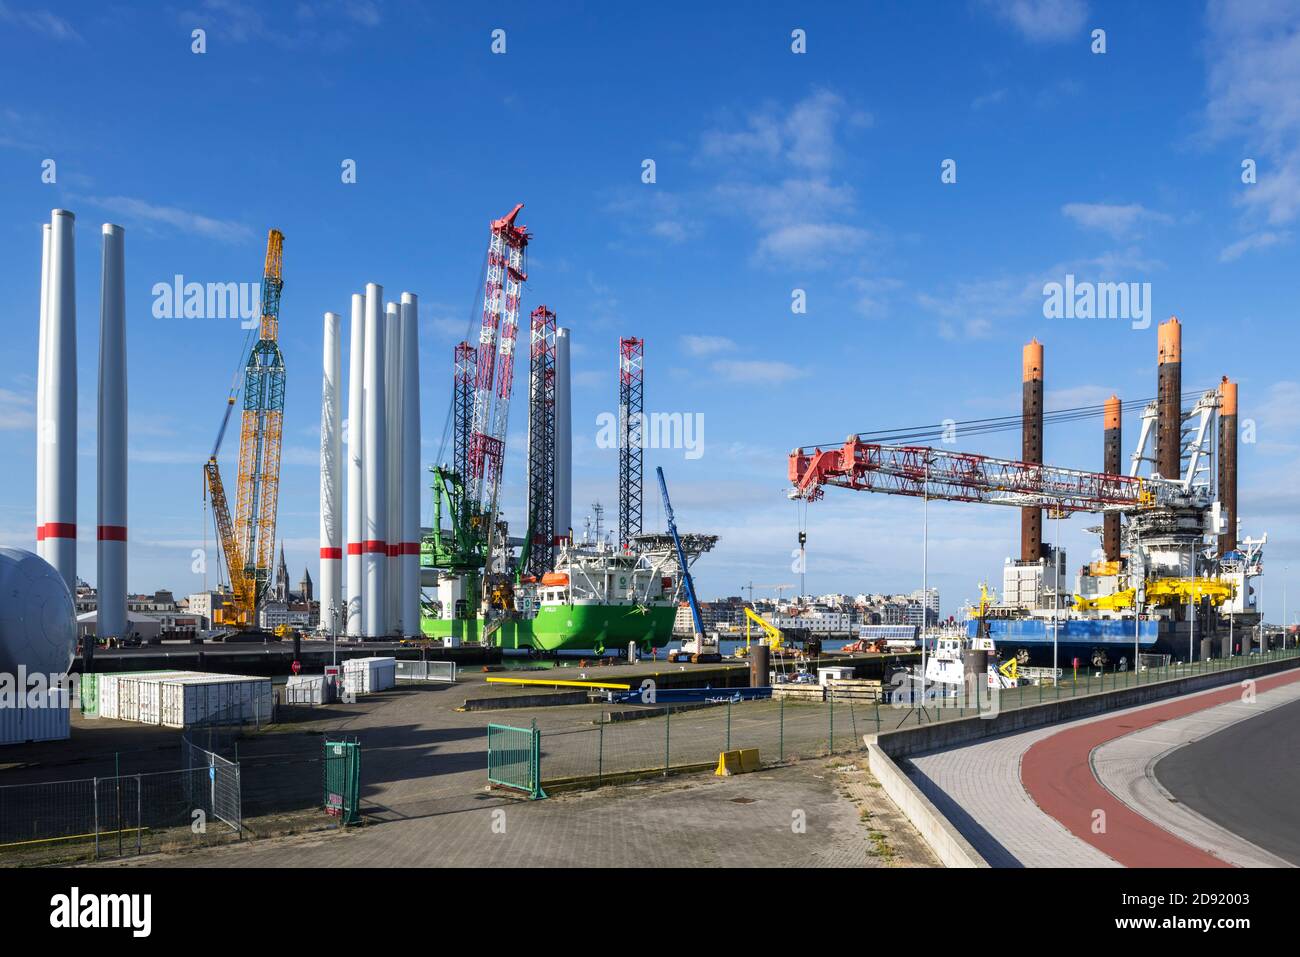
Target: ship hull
{"type": "Point", "coordinates": [596, 626]}
{"type": "Point", "coordinates": [564, 627]}
{"type": "Point", "coordinates": [1072, 632]}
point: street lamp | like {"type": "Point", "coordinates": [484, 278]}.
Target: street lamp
{"type": "Point", "coordinates": [925, 569]}
{"type": "Point", "coordinates": [334, 630]}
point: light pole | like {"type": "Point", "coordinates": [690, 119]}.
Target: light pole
{"type": "Point", "coordinates": [334, 631]}
{"type": "Point", "coordinates": [1137, 634]}
{"type": "Point", "coordinates": [925, 568]}
{"type": "Point", "coordinates": [1056, 596]}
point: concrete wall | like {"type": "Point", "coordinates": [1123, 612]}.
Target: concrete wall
{"type": "Point", "coordinates": [884, 750]}
{"type": "Point", "coordinates": [946, 841]}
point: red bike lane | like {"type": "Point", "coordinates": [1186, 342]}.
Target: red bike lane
{"type": "Point", "coordinates": [1057, 773]}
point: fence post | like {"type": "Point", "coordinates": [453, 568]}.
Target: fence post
{"type": "Point", "coordinates": [139, 808]}
{"type": "Point", "coordinates": [781, 757]}
{"type": "Point", "coordinates": [853, 720]}
{"type": "Point", "coordinates": [668, 723]}
{"type": "Point", "coordinates": [728, 747]}
{"type": "Point", "coordinates": [535, 760]}
{"type": "Point", "coordinates": [878, 717]}
{"type": "Point", "coordinates": [95, 795]}
{"type": "Point", "coordinates": [831, 742]}
{"type": "Point", "coordinates": [600, 751]}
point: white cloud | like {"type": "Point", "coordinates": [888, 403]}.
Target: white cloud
{"type": "Point", "coordinates": [813, 245]}
{"type": "Point", "coordinates": [654, 211]}
{"type": "Point", "coordinates": [1260, 240]}
{"type": "Point", "coordinates": [805, 137]}
{"type": "Point", "coordinates": [40, 21]}
{"type": "Point", "coordinates": [779, 167]}
{"type": "Point", "coordinates": [1253, 51]}
{"type": "Point", "coordinates": [1077, 396]}
{"type": "Point", "coordinates": [445, 326]}
{"type": "Point", "coordinates": [17, 411]}
{"type": "Point", "coordinates": [1119, 221]}
{"type": "Point", "coordinates": [872, 294]}
{"type": "Point", "coordinates": [974, 308]}
{"type": "Point", "coordinates": [1042, 21]}
{"type": "Point", "coordinates": [707, 345]}
{"type": "Point", "coordinates": [142, 211]}
{"type": "Point", "coordinates": [988, 99]}
{"type": "Point", "coordinates": [757, 371]}
{"type": "Point", "coordinates": [326, 25]}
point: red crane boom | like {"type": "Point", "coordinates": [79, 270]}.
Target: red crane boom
{"type": "Point", "coordinates": [966, 477]}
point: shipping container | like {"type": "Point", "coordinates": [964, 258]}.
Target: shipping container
{"type": "Point", "coordinates": [307, 689]}
{"type": "Point", "coordinates": [49, 720]}
{"type": "Point", "coordinates": [368, 675]}
{"type": "Point", "coordinates": [109, 689]}
{"type": "Point", "coordinates": [156, 697]}
{"type": "Point", "coordinates": [215, 699]}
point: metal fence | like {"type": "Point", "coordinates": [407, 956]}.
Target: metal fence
{"type": "Point", "coordinates": [426, 671]}
{"type": "Point", "coordinates": [227, 787]}
{"type": "Point", "coordinates": [223, 798]}
{"type": "Point", "coordinates": [115, 816]}
{"type": "Point", "coordinates": [679, 738]}
{"type": "Point", "coordinates": [632, 743]}
{"type": "Point", "coordinates": [514, 758]}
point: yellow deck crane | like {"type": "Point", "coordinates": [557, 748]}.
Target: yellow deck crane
{"type": "Point", "coordinates": [775, 639]}
{"type": "Point", "coordinates": [248, 541]}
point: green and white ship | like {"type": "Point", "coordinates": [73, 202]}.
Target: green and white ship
{"type": "Point", "coordinates": [598, 597]}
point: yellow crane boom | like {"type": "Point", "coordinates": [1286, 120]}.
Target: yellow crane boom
{"type": "Point", "coordinates": [248, 542]}
{"type": "Point", "coordinates": [774, 637]}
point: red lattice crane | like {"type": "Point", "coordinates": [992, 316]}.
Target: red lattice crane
{"type": "Point", "coordinates": [494, 376]}
{"type": "Point", "coordinates": [965, 477]}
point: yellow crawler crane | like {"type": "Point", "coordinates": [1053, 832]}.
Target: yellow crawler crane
{"type": "Point", "coordinates": [248, 543]}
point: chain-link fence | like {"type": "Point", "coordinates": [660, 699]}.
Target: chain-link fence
{"type": "Point", "coordinates": [689, 737]}
{"type": "Point", "coordinates": [223, 797]}
{"type": "Point", "coordinates": [116, 816]}
{"type": "Point", "coordinates": [228, 787]}
{"type": "Point", "coordinates": [630, 743]}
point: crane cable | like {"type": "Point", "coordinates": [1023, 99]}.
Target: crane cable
{"type": "Point", "coordinates": [994, 424]}
{"type": "Point", "coordinates": [451, 406]}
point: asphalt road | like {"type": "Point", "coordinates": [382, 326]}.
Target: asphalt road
{"type": "Point", "coordinates": [1245, 778]}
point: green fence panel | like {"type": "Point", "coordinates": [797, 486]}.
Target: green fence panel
{"type": "Point", "coordinates": [89, 694]}
{"type": "Point", "coordinates": [515, 758]}
{"type": "Point", "coordinates": [342, 770]}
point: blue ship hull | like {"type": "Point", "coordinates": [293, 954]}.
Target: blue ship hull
{"type": "Point", "coordinates": [1092, 632]}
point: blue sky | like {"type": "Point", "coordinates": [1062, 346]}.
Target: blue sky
{"type": "Point", "coordinates": [775, 171]}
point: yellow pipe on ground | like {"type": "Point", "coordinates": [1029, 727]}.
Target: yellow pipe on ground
{"type": "Point", "coordinates": [566, 684]}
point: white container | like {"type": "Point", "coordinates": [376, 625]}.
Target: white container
{"type": "Point", "coordinates": [214, 698]}
{"type": "Point", "coordinates": [49, 720]}
{"type": "Point", "coordinates": [307, 689]}
{"type": "Point", "coordinates": [368, 675]}
{"type": "Point", "coordinates": [110, 684]}
{"type": "Point", "coordinates": [825, 675]}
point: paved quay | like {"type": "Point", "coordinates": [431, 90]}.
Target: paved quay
{"type": "Point", "coordinates": [1028, 799]}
